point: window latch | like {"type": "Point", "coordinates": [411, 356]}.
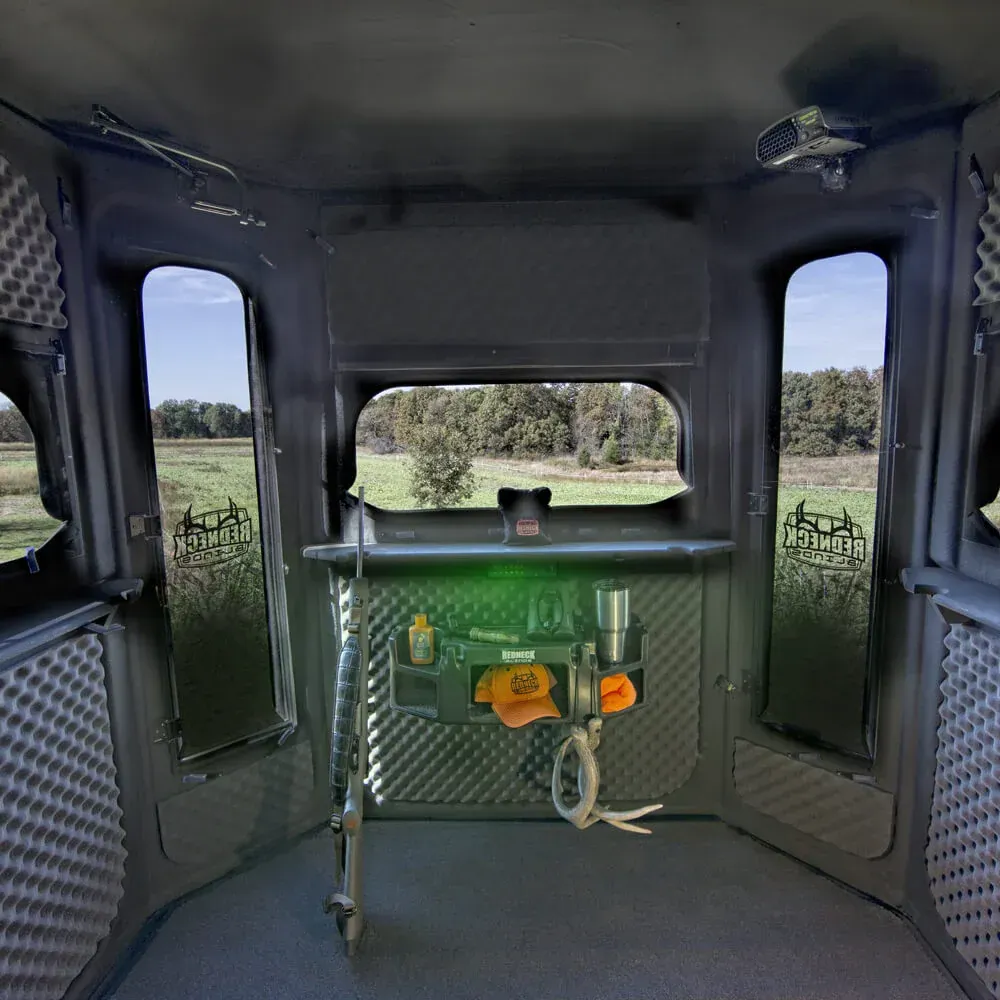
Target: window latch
{"type": "Point", "coordinates": [148, 526]}
{"type": "Point", "coordinates": [167, 731]}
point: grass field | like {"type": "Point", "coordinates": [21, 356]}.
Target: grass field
{"type": "Point", "coordinates": [819, 625]}
{"type": "Point", "coordinates": [203, 473]}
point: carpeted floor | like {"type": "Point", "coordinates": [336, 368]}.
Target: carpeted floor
{"type": "Point", "coordinates": [538, 910]}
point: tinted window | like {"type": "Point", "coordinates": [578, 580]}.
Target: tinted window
{"type": "Point", "coordinates": [829, 455]}
{"type": "Point", "coordinates": [206, 469]}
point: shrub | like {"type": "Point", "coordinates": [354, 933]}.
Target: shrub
{"type": "Point", "coordinates": [584, 458]}
{"type": "Point", "coordinates": [440, 467]}
{"type": "Point", "coordinates": [611, 451]}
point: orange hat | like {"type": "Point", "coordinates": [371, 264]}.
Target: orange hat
{"type": "Point", "coordinates": [519, 693]}
{"type": "Point", "coordinates": [617, 693]}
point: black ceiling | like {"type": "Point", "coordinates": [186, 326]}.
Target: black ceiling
{"type": "Point", "coordinates": [329, 94]}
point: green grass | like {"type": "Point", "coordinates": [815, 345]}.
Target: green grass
{"type": "Point", "coordinates": [23, 520]}
{"type": "Point", "coordinates": [386, 481]}
{"type": "Point", "coordinates": [218, 614]}
{"type": "Point", "coordinates": [819, 626]}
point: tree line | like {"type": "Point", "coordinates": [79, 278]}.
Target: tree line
{"type": "Point", "coordinates": [829, 412]}
{"type": "Point", "coordinates": [607, 422]}
{"type": "Point", "coordinates": [191, 418]}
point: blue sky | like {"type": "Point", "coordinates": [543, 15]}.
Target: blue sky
{"type": "Point", "coordinates": [195, 342]}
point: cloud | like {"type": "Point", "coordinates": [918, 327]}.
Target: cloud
{"type": "Point", "coordinates": [835, 314]}
{"type": "Point", "coordinates": [189, 286]}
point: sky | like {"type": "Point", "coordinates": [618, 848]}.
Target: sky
{"type": "Point", "coordinates": [196, 343]}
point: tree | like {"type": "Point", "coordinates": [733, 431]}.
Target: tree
{"type": "Point", "coordinates": [523, 420]}
{"type": "Point", "coordinates": [648, 428]}
{"type": "Point", "coordinates": [440, 467]}
{"type": "Point", "coordinates": [13, 427]}
{"type": "Point", "coordinates": [611, 451]}
{"type": "Point", "coordinates": [377, 424]}
{"type": "Point", "coordinates": [194, 419]}
{"type": "Point", "coordinates": [183, 420]}
{"type": "Point", "coordinates": [411, 410]}
{"type": "Point", "coordinates": [831, 412]}
{"type": "Point", "coordinates": [598, 414]}
{"type": "Point", "coordinates": [223, 420]}
{"type": "Point", "coordinates": [157, 422]}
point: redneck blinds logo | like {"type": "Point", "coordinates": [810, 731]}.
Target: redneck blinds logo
{"type": "Point", "coordinates": [518, 655]}
{"type": "Point", "coordinates": [215, 537]}
{"type": "Point", "coordinates": [824, 540]}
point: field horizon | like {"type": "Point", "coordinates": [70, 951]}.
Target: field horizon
{"type": "Point", "coordinates": [199, 471]}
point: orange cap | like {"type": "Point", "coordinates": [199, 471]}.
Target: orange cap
{"type": "Point", "coordinates": [617, 693]}
{"type": "Point", "coordinates": [519, 693]}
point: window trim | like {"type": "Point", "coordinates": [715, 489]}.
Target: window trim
{"type": "Point", "coordinates": [34, 372]}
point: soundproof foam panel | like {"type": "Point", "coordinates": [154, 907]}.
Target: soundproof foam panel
{"type": "Point", "coordinates": [963, 859]}
{"type": "Point", "coordinates": [62, 853]}
{"type": "Point", "coordinates": [645, 754]}
{"type": "Point", "coordinates": [229, 816]}
{"type": "Point", "coordinates": [988, 276]}
{"type": "Point", "coordinates": [853, 816]}
{"type": "Point", "coordinates": [29, 268]}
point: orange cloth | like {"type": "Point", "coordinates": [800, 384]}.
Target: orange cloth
{"type": "Point", "coordinates": [617, 693]}
{"type": "Point", "coordinates": [519, 693]}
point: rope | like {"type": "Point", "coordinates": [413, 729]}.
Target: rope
{"type": "Point", "coordinates": [587, 811]}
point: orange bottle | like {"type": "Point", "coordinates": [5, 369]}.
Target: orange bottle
{"type": "Point", "coordinates": [421, 640]}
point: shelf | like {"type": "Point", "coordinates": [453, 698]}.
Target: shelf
{"type": "Point", "coordinates": [444, 690]}
{"type": "Point", "coordinates": [382, 557]}
{"type": "Point", "coordinates": [979, 602]}
{"type": "Point", "coordinates": [23, 637]}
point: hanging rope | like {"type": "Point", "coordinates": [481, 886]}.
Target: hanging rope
{"type": "Point", "coordinates": [587, 812]}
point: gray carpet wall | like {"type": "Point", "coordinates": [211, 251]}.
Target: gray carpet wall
{"type": "Point", "coordinates": [540, 910]}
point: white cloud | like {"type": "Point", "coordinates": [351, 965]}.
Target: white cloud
{"type": "Point", "coordinates": [835, 314]}
{"type": "Point", "coordinates": [189, 286]}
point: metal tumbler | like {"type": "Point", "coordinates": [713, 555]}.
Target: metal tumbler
{"type": "Point", "coordinates": [611, 600]}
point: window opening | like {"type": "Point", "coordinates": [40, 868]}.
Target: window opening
{"type": "Point", "coordinates": [25, 524]}
{"type": "Point", "coordinates": [435, 447]}
{"type": "Point", "coordinates": [832, 398]}
{"type": "Point", "coordinates": [208, 484]}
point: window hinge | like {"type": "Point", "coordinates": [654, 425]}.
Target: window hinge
{"type": "Point", "coordinates": [983, 330]}
{"type": "Point", "coordinates": [144, 526]}
{"type": "Point", "coordinates": [757, 504]}
{"type": "Point", "coordinates": [167, 731]}
{"type": "Point", "coordinates": [58, 357]}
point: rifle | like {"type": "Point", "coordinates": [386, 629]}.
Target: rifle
{"type": "Point", "coordinates": [349, 755]}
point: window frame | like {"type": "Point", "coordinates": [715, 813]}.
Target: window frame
{"type": "Point", "coordinates": [33, 367]}
{"type": "Point", "coordinates": [272, 557]}
{"type": "Point", "coordinates": [428, 517]}
{"type": "Point", "coordinates": [979, 542]}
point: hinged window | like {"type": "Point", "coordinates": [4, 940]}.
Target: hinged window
{"type": "Point", "coordinates": [827, 449]}
{"type": "Point", "coordinates": [214, 523]}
